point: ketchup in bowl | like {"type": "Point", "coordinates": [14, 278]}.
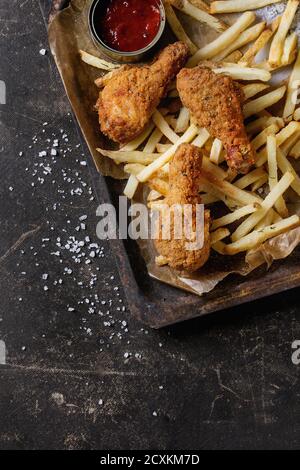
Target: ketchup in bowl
{"type": "Point", "coordinates": [128, 25]}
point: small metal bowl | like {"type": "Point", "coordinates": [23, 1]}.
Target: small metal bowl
{"type": "Point", "coordinates": [126, 57]}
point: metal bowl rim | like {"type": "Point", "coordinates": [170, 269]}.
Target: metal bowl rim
{"type": "Point", "coordinates": [132, 53]}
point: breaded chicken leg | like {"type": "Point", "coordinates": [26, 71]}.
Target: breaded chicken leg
{"type": "Point", "coordinates": [131, 96]}
{"type": "Point", "coordinates": [185, 178]}
{"type": "Point", "coordinates": [215, 102]}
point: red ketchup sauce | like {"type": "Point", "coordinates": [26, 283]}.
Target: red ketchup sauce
{"type": "Point", "coordinates": [128, 25]}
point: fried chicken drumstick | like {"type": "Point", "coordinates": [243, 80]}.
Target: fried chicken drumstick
{"type": "Point", "coordinates": [215, 102]}
{"type": "Point", "coordinates": [185, 179]}
{"type": "Point", "coordinates": [129, 99]}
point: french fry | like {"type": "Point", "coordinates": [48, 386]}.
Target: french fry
{"type": "Point", "coordinates": [153, 140]}
{"type": "Point", "coordinates": [250, 178]}
{"type": "Point", "coordinates": [289, 48]}
{"type": "Point", "coordinates": [202, 138]}
{"type": "Point", "coordinates": [264, 113]}
{"type": "Point", "coordinates": [133, 168]}
{"type": "Point", "coordinates": [268, 203]}
{"type": "Point", "coordinates": [243, 73]}
{"type": "Point", "coordinates": [172, 121]}
{"type": "Point", "coordinates": [121, 156]}
{"type": "Point", "coordinates": [234, 216]}
{"type": "Point", "coordinates": [287, 146]}
{"type": "Point", "coordinates": [226, 38]}
{"type": "Point", "coordinates": [216, 151]}
{"type": "Point", "coordinates": [219, 235]}
{"type": "Point", "coordinates": [296, 115]}
{"type": "Point", "coordinates": [295, 151]}
{"type": "Point", "coordinates": [101, 82]}
{"type": "Point", "coordinates": [131, 187]}
{"type": "Point", "coordinates": [134, 144]}
{"type": "Point", "coordinates": [256, 126]}
{"type": "Point", "coordinates": [214, 191]}
{"type": "Point", "coordinates": [178, 29]}
{"type": "Point", "coordinates": [263, 122]}
{"type": "Point", "coordinates": [292, 90]}
{"type": "Point", "coordinates": [182, 121]}
{"type": "Point", "coordinates": [198, 14]}
{"type": "Point", "coordinates": [164, 127]}
{"type": "Point", "coordinates": [263, 102]}
{"type": "Point", "coordinates": [261, 138]}
{"type": "Point", "coordinates": [277, 45]}
{"type": "Point", "coordinates": [211, 167]}
{"type": "Point", "coordinates": [136, 168]}
{"type": "Point", "coordinates": [287, 132]}
{"type": "Point", "coordinates": [285, 166]}
{"type": "Point", "coordinates": [220, 248]}
{"type": "Point", "coordinates": [187, 137]}
{"type": "Point", "coordinates": [265, 222]}
{"type": "Point", "coordinates": [259, 183]}
{"type": "Point", "coordinates": [253, 89]}
{"type": "Point", "coordinates": [230, 190]}
{"type": "Point", "coordinates": [96, 62]}
{"type": "Point", "coordinates": [249, 56]}
{"type": "Point", "coordinates": [162, 148]}
{"type": "Point", "coordinates": [234, 57]}
{"type": "Point", "coordinates": [281, 137]}
{"type": "Point", "coordinates": [153, 196]}
{"type": "Point", "coordinates": [265, 65]}
{"type": "Point", "coordinates": [244, 38]}
{"type": "Point", "coordinates": [200, 4]}
{"type": "Point", "coordinates": [237, 6]}
{"type": "Point", "coordinates": [272, 161]}
{"type": "Point", "coordinates": [273, 174]}
{"type": "Point", "coordinates": [258, 237]}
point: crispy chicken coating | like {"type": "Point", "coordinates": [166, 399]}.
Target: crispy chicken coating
{"type": "Point", "coordinates": [215, 102]}
{"type": "Point", "coordinates": [129, 99]}
{"type": "Point", "coordinates": [185, 178]}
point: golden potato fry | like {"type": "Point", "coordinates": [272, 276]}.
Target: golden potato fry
{"type": "Point", "coordinates": [289, 49]}
{"type": "Point", "coordinates": [264, 102]}
{"type": "Point", "coordinates": [292, 91]}
{"type": "Point", "coordinates": [244, 38]}
{"type": "Point", "coordinates": [219, 235]}
{"type": "Point", "coordinates": [237, 6]}
{"type": "Point", "coordinates": [97, 62]}
{"type": "Point", "coordinates": [234, 216]}
{"type": "Point", "coordinates": [187, 137]}
{"type": "Point", "coordinates": [198, 14]}
{"type": "Point", "coordinates": [277, 45]}
{"type": "Point", "coordinates": [268, 203]}
{"type": "Point", "coordinates": [280, 204]}
{"type": "Point", "coordinates": [178, 29]}
{"type": "Point", "coordinates": [134, 144]}
{"type": "Point", "coordinates": [224, 40]}
{"type": "Point", "coordinates": [260, 43]}
{"type": "Point", "coordinates": [256, 238]}
{"type": "Point", "coordinates": [153, 140]}
{"type": "Point", "coordinates": [131, 187]}
{"type": "Point", "coordinates": [253, 89]}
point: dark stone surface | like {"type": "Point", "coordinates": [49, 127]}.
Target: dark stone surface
{"type": "Point", "coordinates": [226, 381]}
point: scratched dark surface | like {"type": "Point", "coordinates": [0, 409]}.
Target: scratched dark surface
{"type": "Point", "coordinates": [77, 379]}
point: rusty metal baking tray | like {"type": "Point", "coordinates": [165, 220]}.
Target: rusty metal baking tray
{"type": "Point", "coordinates": [157, 304]}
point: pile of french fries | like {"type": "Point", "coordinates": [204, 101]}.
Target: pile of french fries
{"type": "Point", "coordinates": [257, 203]}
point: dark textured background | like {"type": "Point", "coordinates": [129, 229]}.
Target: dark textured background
{"type": "Point", "coordinates": [88, 380]}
